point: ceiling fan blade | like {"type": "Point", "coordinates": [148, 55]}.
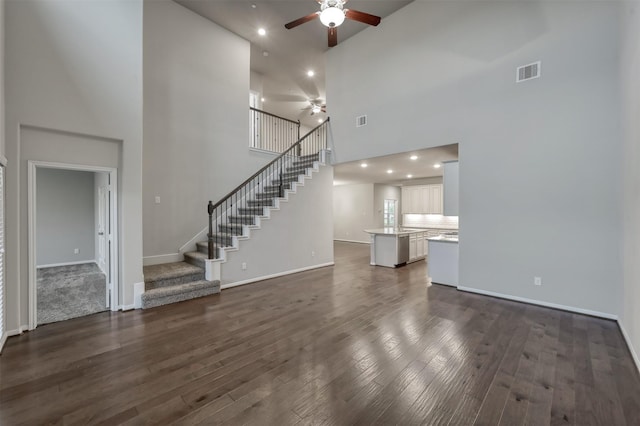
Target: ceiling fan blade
{"type": "Point", "coordinates": [333, 36]}
{"type": "Point", "coordinates": [356, 15]}
{"type": "Point", "coordinates": [300, 21]}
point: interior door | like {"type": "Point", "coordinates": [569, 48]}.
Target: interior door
{"type": "Point", "coordinates": [102, 225]}
{"type": "Point", "coordinates": [103, 237]}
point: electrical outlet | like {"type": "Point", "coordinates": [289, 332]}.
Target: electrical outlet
{"type": "Point", "coordinates": [244, 266]}
{"type": "Point", "coordinates": [313, 253]}
{"type": "Point", "coordinates": [157, 200]}
{"type": "Point", "coordinates": [537, 280]}
{"type": "Point", "coordinates": [76, 251]}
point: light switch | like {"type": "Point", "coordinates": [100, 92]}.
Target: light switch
{"type": "Point", "coordinates": [157, 200]}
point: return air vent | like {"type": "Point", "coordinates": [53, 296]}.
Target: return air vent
{"type": "Point", "coordinates": [361, 121]}
{"type": "Point", "coordinates": [528, 72]}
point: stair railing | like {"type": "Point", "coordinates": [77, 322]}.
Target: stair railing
{"type": "Point", "coordinates": [271, 132]}
{"type": "Point", "coordinates": [257, 192]}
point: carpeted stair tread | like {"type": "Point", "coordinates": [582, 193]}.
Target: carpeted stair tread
{"type": "Point", "coordinates": [243, 219]}
{"type": "Point", "coordinates": [169, 271]}
{"type": "Point", "coordinates": [268, 202]}
{"type": "Point", "coordinates": [179, 293]}
{"type": "Point", "coordinates": [196, 258]}
{"type": "Point", "coordinates": [255, 211]}
{"type": "Point", "coordinates": [203, 246]}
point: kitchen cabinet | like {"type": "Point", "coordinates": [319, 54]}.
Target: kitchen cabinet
{"type": "Point", "coordinates": [451, 188]}
{"type": "Point", "coordinates": [416, 246]}
{"type": "Point", "coordinates": [422, 199]}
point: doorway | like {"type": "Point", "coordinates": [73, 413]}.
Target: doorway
{"type": "Point", "coordinates": [73, 265]}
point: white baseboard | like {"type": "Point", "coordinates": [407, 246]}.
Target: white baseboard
{"type": "Point", "coordinates": [540, 303]}
{"type": "Point", "coordinates": [351, 241]}
{"type": "Point", "coordinates": [128, 307]}
{"type": "Point", "coordinates": [3, 340]}
{"type": "Point", "coordinates": [279, 274]}
{"type": "Point", "coordinates": [627, 339]}
{"type": "Point", "coordinates": [52, 265]}
{"type": "Point", "coordinates": [162, 258]}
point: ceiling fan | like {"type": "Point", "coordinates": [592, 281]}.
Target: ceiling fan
{"type": "Point", "coordinates": [332, 14]}
{"type": "Point", "coordinates": [316, 107]}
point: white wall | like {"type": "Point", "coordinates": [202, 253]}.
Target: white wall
{"type": "Point", "coordinates": [539, 161]}
{"type": "Point", "coordinates": [630, 89]}
{"type": "Point", "coordinates": [73, 75]}
{"type": "Point", "coordinates": [2, 101]}
{"type": "Point", "coordinates": [298, 236]}
{"type": "Point", "coordinates": [353, 212]}
{"type": "Point", "coordinates": [196, 122]}
{"type": "Point", "coordinates": [383, 192]}
{"type": "Point", "coordinates": [65, 216]}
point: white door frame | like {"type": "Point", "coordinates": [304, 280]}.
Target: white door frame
{"type": "Point", "coordinates": [31, 211]}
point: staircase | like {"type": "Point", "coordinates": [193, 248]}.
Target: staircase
{"type": "Point", "coordinates": [231, 220]}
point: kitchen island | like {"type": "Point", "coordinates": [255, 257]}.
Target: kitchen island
{"type": "Point", "coordinates": [443, 259]}
{"type": "Point", "coordinates": [393, 247]}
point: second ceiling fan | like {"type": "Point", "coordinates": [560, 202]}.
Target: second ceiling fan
{"type": "Point", "coordinates": [332, 14]}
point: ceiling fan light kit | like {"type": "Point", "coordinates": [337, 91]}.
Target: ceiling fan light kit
{"type": "Point", "coordinates": [332, 14]}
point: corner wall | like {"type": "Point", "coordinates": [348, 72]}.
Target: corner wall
{"type": "Point", "coordinates": [540, 161]}
{"type": "Point", "coordinates": [630, 89]}
{"type": "Point", "coordinates": [74, 82]}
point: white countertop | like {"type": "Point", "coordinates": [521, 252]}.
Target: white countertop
{"type": "Point", "coordinates": [444, 239]}
{"type": "Point", "coordinates": [393, 231]}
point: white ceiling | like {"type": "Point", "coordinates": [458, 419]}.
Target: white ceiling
{"type": "Point", "coordinates": [286, 86]}
{"type": "Point", "coordinates": [401, 164]}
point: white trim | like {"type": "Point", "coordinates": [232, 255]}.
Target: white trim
{"type": "Point", "coordinates": [18, 331]}
{"type": "Point", "coordinates": [279, 274]}
{"type": "Point", "coordinates": [162, 258]}
{"type": "Point", "coordinates": [540, 303]}
{"type": "Point", "coordinates": [3, 161]}
{"type": "Point", "coordinates": [32, 165]}
{"type": "Point", "coordinates": [138, 289]}
{"type": "Point", "coordinates": [627, 339]}
{"type": "Point", "coordinates": [263, 151]}
{"type": "Point", "coordinates": [53, 265]}
{"type": "Point", "coordinates": [351, 241]}
{"type": "Point", "coordinates": [3, 340]}
{"type": "Point", "coordinates": [128, 307]}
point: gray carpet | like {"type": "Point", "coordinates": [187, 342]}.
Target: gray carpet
{"type": "Point", "coordinates": [66, 292]}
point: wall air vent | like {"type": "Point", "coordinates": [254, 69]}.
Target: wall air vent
{"type": "Point", "coordinates": [528, 72]}
{"type": "Point", "coordinates": [361, 121]}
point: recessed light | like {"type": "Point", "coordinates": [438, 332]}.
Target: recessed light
{"type": "Point", "coordinates": [310, 73]}
{"type": "Point", "coordinates": [409, 176]}
{"type": "Point", "coordinates": [363, 165]}
{"type": "Point", "coordinates": [262, 99]}
{"type": "Point", "coordinates": [437, 166]}
{"type": "Point", "coordinates": [414, 157]}
{"type": "Point", "coordinates": [389, 171]}
{"type": "Point", "coordinates": [262, 31]}
{"type": "Point", "coordinates": [265, 53]}
{"type": "Point", "coordinates": [319, 120]}
{"type": "Point", "coordinates": [253, 6]}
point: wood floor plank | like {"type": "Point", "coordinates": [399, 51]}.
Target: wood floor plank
{"type": "Point", "coordinates": [348, 344]}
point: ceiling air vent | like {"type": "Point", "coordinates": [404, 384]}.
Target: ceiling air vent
{"type": "Point", "coordinates": [528, 72]}
{"type": "Point", "coordinates": [361, 121]}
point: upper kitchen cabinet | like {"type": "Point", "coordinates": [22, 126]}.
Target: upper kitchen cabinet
{"type": "Point", "coordinates": [451, 188]}
{"type": "Point", "coordinates": [422, 199]}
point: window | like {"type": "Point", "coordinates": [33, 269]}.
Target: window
{"type": "Point", "coordinates": [389, 213]}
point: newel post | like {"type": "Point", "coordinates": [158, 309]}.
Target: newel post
{"type": "Point", "coordinates": [210, 234]}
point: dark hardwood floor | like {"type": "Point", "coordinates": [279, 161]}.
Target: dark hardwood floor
{"type": "Point", "coordinates": [350, 344]}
